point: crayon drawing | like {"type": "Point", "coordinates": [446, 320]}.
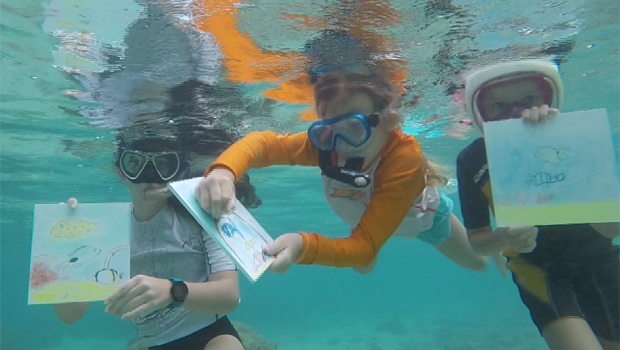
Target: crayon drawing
{"type": "Point", "coordinates": [244, 238]}
{"type": "Point", "coordinates": [79, 254]}
{"type": "Point", "coordinates": [238, 233]}
{"type": "Point", "coordinates": [562, 172]}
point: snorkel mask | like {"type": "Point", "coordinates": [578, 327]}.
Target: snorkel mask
{"type": "Point", "coordinates": [354, 129]}
{"type": "Point", "coordinates": [542, 76]}
{"type": "Point", "coordinates": [152, 161]}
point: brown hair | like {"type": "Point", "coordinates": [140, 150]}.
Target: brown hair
{"type": "Point", "coordinates": [333, 87]}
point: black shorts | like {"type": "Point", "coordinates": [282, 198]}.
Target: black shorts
{"type": "Point", "coordinates": [585, 288]}
{"type": "Point", "coordinates": [199, 339]}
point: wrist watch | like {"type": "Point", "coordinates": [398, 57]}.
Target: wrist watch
{"type": "Point", "coordinates": [178, 292]}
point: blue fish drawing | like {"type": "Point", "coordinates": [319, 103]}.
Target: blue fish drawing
{"type": "Point", "coordinates": [544, 178]}
{"type": "Point", "coordinates": [552, 155]}
{"type": "Point", "coordinates": [229, 229]}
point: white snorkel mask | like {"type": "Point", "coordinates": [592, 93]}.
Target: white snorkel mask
{"type": "Point", "coordinates": [542, 75]}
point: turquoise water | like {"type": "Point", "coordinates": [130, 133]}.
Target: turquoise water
{"type": "Point", "coordinates": [415, 298]}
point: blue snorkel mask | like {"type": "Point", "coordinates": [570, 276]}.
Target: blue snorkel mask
{"type": "Point", "coordinates": [355, 130]}
{"type": "Point", "coordinates": [352, 128]}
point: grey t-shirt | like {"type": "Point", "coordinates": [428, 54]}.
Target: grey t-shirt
{"type": "Point", "coordinates": [172, 244]}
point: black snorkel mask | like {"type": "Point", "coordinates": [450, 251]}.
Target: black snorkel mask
{"type": "Point", "coordinates": [153, 163]}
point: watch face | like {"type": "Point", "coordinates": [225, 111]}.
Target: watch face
{"type": "Point", "coordinates": [179, 291]}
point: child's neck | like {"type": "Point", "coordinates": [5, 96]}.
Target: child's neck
{"type": "Point", "coordinates": [146, 210]}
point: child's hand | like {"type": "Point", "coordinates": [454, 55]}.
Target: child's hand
{"type": "Point", "coordinates": [140, 296]}
{"type": "Point", "coordinates": [285, 248]}
{"type": "Point", "coordinates": [216, 192]}
{"type": "Point", "coordinates": [72, 203]}
{"type": "Point", "coordinates": [538, 115]}
{"type": "Point", "coordinates": [500, 263]}
{"type": "Point", "coordinates": [522, 238]}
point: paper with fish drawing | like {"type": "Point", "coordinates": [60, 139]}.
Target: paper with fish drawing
{"type": "Point", "coordinates": [561, 172]}
{"type": "Point", "coordinates": [238, 233]}
{"type": "Point", "coordinates": [79, 254]}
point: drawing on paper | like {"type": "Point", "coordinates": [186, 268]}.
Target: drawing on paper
{"type": "Point", "coordinates": [552, 155]}
{"type": "Point", "coordinates": [243, 241]}
{"type": "Point", "coordinates": [238, 233]}
{"type": "Point", "coordinates": [544, 179]}
{"type": "Point", "coordinates": [79, 254]}
{"type": "Point", "coordinates": [560, 172]}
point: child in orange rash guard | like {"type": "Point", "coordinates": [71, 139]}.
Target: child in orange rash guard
{"type": "Point", "coordinates": [375, 177]}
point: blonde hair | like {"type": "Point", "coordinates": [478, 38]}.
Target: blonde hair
{"type": "Point", "coordinates": [333, 87]}
{"type": "Point", "coordinates": [435, 174]}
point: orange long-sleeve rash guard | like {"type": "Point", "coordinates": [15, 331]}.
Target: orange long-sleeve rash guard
{"type": "Point", "coordinates": [399, 180]}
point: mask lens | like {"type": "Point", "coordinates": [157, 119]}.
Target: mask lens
{"type": "Point", "coordinates": [132, 163]}
{"type": "Point", "coordinates": [322, 136]}
{"type": "Point", "coordinates": [507, 97]}
{"type": "Point", "coordinates": [355, 130]}
{"type": "Point", "coordinates": [352, 128]}
{"type": "Point", "coordinates": [167, 165]}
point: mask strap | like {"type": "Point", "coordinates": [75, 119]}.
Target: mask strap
{"type": "Point", "coordinates": [349, 174]}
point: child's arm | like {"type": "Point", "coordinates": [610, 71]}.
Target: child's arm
{"type": "Point", "coordinates": [220, 294]}
{"type": "Point", "coordinates": [261, 149]}
{"type": "Point", "coordinates": [486, 241]}
{"type": "Point", "coordinates": [475, 208]}
{"type": "Point", "coordinates": [476, 218]}
{"type": "Point", "coordinates": [398, 182]}
{"type": "Point", "coordinates": [71, 312]}
{"type": "Point", "coordinates": [608, 229]}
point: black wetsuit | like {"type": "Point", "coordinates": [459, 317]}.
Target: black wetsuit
{"type": "Point", "coordinates": [573, 271]}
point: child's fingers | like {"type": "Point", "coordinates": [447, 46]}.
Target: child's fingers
{"type": "Point", "coordinates": [71, 203]}
{"type": "Point", "coordinates": [526, 245]}
{"type": "Point", "coordinates": [228, 197]}
{"type": "Point", "coordinates": [553, 112]}
{"type": "Point", "coordinates": [544, 111]}
{"type": "Point", "coordinates": [201, 197]}
{"type": "Point", "coordinates": [535, 115]}
{"type": "Point", "coordinates": [517, 231]}
{"type": "Point", "coordinates": [215, 200]}
{"type": "Point", "coordinates": [277, 246]}
{"type": "Point", "coordinates": [500, 263]}
{"type": "Point", "coordinates": [281, 263]}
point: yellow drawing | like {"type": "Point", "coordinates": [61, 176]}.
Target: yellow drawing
{"type": "Point", "coordinates": [71, 291]}
{"type": "Point", "coordinates": [514, 215]}
{"type": "Point", "coordinates": [73, 228]}
{"type": "Point", "coordinates": [75, 252]}
{"type": "Point", "coordinates": [52, 281]}
{"type": "Point", "coordinates": [249, 244]}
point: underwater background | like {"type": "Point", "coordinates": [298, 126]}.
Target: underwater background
{"type": "Point", "coordinates": [415, 298]}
